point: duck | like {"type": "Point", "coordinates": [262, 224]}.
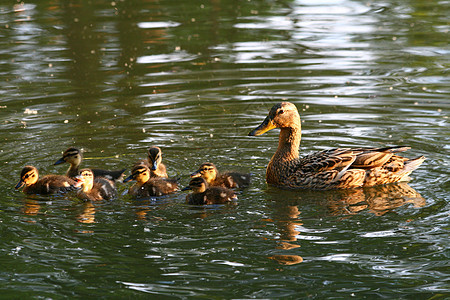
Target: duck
{"type": "Point", "coordinates": [209, 172]}
{"type": "Point", "coordinates": [203, 194]}
{"type": "Point", "coordinates": [337, 168]}
{"type": "Point", "coordinates": [154, 162]}
{"type": "Point", "coordinates": [73, 156]}
{"type": "Point", "coordinates": [48, 184]}
{"type": "Point", "coordinates": [95, 190]}
{"type": "Point", "coordinates": [147, 186]}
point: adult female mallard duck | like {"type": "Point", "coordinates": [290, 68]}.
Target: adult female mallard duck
{"type": "Point", "coordinates": [337, 168]}
{"type": "Point", "coordinates": [100, 189]}
{"type": "Point", "coordinates": [209, 172]}
{"type": "Point", "coordinates": [204, 194]}
{"type": "Point", "coordinates": [147, 186]}
{"type": "Point", "coordinates": [49, 184]}
{"type": "Point", "coordinates": [74, 157]}
{"type": "Point", "coordinates": [154, 162]}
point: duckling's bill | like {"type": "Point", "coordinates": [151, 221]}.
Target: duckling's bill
{"type": "Point", "coordinates": [59, 161]}
{"type": "Point", "coordinates": [20, 184]}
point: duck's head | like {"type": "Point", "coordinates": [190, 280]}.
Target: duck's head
{"type": "Point", "coordinates": [154, 157]}
{"type": "Point", "coordinates": [86, 177]}
{"type": "Point", "coordinates": [208, 171]}
{"type": "Point", "coordinates": [197, 185]}
{"type": "Point", "coordinates": [72, 156]}
{"type": "Point", "coordinates": [281, 115]}
{"type": "Point", "coordinates": [140, 173]}
{"type": "Point", "coordinates": [28, 176]}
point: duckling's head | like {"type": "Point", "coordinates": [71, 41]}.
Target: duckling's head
{"type": "Point", "coordinates": [208, 171]}
{"type": "Point", "coordinates": [86, 177]}
{"type": "Point", "coordinates": [28, 176]}
{"type": "Point", "coordinates": [72, 156]}
{"type": "Point", "coordinates": [281, 115]}
{"type": "Point", "coordinates": [197, 185]}
{"type": "Point", "coordinates": [154, 157]}
{"type": "Point", "coordinates": [140, 173]}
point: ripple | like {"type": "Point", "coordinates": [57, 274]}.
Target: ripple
{"type": "Point", "coordinates": [166, 58]}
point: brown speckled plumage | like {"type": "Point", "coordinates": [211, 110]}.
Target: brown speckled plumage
{"type": "Point", "coordinates": [209, 172]}
{"type": "Point", "coordinates": [147, 186]}
{"type": "Point", "coordinates": [206, 195]}
{"type": "Point", "coordinates": [95, 190]}
{"type": "Point", "coordinates": [337, 168]}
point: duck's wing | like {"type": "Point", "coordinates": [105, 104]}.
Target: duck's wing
{"type": "Point", "coordinates": [369, 158]}
{"type": "Point", "coordinates": [333, 159]}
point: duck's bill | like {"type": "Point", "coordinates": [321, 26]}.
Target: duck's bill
{"type": "Point", "coordinates": [265, 126]}
{"type": "Point", "coordinates": [186, 188]}
{"type": "Point", "coordinates": [19, 184]}
{"type": "Point", "coordinates": [59, 161]}
{"type": "Point", "coordinates": [154, 166]}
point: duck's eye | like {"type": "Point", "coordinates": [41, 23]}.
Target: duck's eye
{"type": "Point", "coordinates": [280, 111]}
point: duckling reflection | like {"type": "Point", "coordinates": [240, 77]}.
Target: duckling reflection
{"type": "Point", "coordinates": [154, 163]}
{"type": "Point", "coordinates": [87, 216]}
{"type": "Point", "coordinates": [74, 157]}
{"type": "Point", "coordinates": [31, 207]}
{"type": "Point", "coordinates": [228, 179]}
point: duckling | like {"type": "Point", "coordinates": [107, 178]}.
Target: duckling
{"type": "Point", "coordinates": [203, 194]}
{"type": "Point", "coordinates": [49, 184]}
{"type": "Point", "coordinates": [147, 186]}
{"type": "Point", "coordinates": [100, 189]}
{"type": "Point", "coordinates": [338, 168]}
{"type": "Point", "coordinates": [154, 162]}
{"type": "Point", "coordinates": [74, 157]}
{"type": "Point", "coordinates": [209, 172]}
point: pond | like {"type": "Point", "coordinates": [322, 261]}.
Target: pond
{"type": "Point", "coordinates": [193, 78]}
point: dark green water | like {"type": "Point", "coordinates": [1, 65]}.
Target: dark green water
{"type": "Point", "coordinates": [115, 77]}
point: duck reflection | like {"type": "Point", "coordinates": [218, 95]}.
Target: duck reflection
{"type": "Point", "coordinates": [286, 218]}
{"type": "Point", "coordinates": [377, 200]}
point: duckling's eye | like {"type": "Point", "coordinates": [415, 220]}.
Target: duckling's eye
{"type": "Point", "coordinates": [280, 111]}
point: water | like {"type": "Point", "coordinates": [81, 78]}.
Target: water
{"type": "Point", "coordinates": [194, 78]}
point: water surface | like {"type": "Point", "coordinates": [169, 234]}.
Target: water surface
{"type": "Point", "coordinates": [194, 78]}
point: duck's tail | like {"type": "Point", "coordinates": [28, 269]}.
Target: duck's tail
{"type": "Point", "coordinates": [411, 165]}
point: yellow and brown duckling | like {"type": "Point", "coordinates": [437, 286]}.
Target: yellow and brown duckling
{"type": "Point", "coordinates": [203, 194]}
{"type": "Point", "coordinates": [48, 184]}
{"type": "Point", "coordinates": [337, 168]}
{"type": "Point", "coordinates": [154, 162]}
{"type": "Point", "coordinates": [74, 157]}
{"type": "Point", "coordinates": [147, 186]}
{"type": "Point", "coordinates": [209, 172]}
{"type": "Point", "coordinates": [95, 190]}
